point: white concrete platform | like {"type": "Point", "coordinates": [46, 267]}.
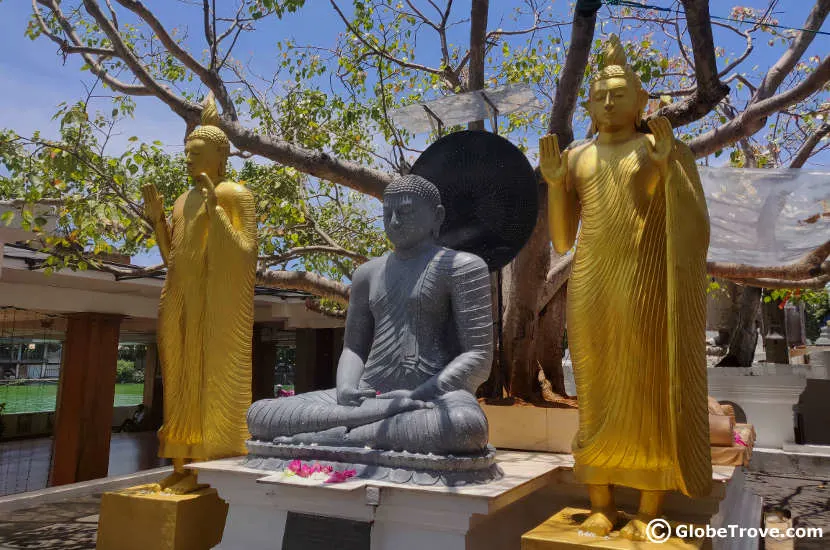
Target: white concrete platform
{"type": "Point", "coordinates": [481, 517]}
{"type": "Point", "coordinates": [767, 396]}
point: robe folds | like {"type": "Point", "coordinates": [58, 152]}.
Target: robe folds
{"type": "Point", "coordinates": [205, 325]}
{"type": "Point", "coordinates": [636, 323]}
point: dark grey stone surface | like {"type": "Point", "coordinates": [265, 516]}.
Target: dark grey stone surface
{"type": "Point", "coordinates": [308, 532]}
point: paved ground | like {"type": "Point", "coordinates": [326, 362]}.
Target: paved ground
{"type": "Point", "coordinates": [71, 525]}
{"type": "Point", "coordinates": [25, 464]}
{"type": "Point", "coordinates": [806, 500]}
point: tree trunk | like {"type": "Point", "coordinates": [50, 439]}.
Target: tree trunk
{"type": "Point", "coordinates": [524, 280]}
{"type": "Point", "coordinates": [549, 343]}
{"type": "Point", "coordinates": [495, 385]}
{"type": "Point", "coordinates": [745, 336]}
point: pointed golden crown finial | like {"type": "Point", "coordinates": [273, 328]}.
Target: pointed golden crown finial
{"type": "Point", "coordinates": [209, 131]}
{"type": "Point", "coordinates": [210, 114]}
{"type": "Point", "coordinates": [614, 52]}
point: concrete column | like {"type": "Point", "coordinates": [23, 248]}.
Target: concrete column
{"type": "Point", "coordinates": [150, 367]}
{"type": "Point", "coordinates": [152, 388]}
{"type": "Point", "coordinates": [304, 368]}
{"type": "Point", "coordinates": [318, 351]}
{"type": "Point", "coordinates": [264, 360]}
{"type": "Point", "coordinates": [83, 421]}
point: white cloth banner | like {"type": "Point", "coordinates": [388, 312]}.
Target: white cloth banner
{"type": "Point", "coordinates": [766, 217]}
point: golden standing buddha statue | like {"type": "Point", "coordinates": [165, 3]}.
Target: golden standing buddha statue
{"type": "Point", "coordinates": [636, 300]}
{"type": "Point", "coordinates": [206, 310]}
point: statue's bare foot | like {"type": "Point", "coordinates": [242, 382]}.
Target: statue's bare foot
{"type": "Point", "coordinates": [187, 484]}
{"type": "Point", "coordinates": [635, 529]}
{"type": "Point", "coordinates": [170, 480]}
{"type": "Point", "coordinates": [599, 523]}
{"type": "Point", "coordinates": [336, 437]}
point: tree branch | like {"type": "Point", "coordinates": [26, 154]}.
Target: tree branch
{"type": "Point", "coordinates": [806, 149]}
{"type": "Point", "coordinates": [315, 249]}
{"type": "Point", "coordinates": [208, 76]}
{"type": "Point", "coordinates": [784, 66]}
{"type": "Point", "coordinates": [710, 90]}
{"type": "Point", "coordinates": [447, 74]}
{"type": "Point", "coordinates": [478, 33]}
{"type": "Point", "coordinates": [188, 111]}
{"type": "Point", "coordinates": [315, 306]}
{"type": "Point", "coordinates": [570, 80]}
{"type": "Point", "coordinates": [752, 119]}
{"type": "Point", "coordinates": [812, 265]}
{"type": "Point", "coordinates": [555, 279]}
{"type": "Point", "coordinates": [95, 65]}
{"type": "Point", "coordinates": [305, 281]}
{"type": "Point", "coordinates": [314, 163]}
{"type": "Point", "coordinates": [813, 282]}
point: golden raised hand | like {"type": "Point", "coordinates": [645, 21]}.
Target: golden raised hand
{"type": "Point", "coordinates": [663, 141]}
{"type": "Point", "coordinates": [208, 192]}
{"type": "Point", "coordinates": [552, 163]}
{"type": "Point", "coordinates": [153, 205]}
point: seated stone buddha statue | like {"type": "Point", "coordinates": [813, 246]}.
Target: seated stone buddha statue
{"type": "Point", "coordinates": [418, 342]}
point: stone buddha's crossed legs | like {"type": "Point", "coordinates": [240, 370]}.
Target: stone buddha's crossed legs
{"type": "Point", "coordinates": [454, 424]}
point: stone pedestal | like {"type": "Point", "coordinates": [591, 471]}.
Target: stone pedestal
{"type": "Point", "coordinates": [530, 428]}
{"type": "Point", "coordinates": [135, 520]}
{"type": "Point", "coordinates": [767, 398]}
{"type": "Point", "coordinates": [561, 532]}
{"type": "Point", "coordinates": [408, 517]}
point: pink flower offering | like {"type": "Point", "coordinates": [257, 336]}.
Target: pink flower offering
{"type": "Point", "coordinates": [340, 477]}
{"type": "Point", "coordinates": [303, 469]}
{"type": "Point", "coordinates": [739, 440]}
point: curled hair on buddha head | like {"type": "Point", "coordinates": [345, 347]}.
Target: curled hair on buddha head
{"type": "Point", "coordinates": [415, 185]}
{"type": "Point", "coordinates": [209, 130]}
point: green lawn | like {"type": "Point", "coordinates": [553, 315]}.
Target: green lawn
{"type": "Point", "coordinates": [41, 397]}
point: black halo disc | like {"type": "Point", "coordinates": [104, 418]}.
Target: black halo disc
{"type": "Point", "coordinates": [489, 190]}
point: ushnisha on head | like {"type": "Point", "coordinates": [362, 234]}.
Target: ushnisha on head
{"type": "Point", "coordinates": [412, 212]}
{"type": "Point", "coordinates": [207, 148]}
{"type": "Point", "coordinates": [617, 98]}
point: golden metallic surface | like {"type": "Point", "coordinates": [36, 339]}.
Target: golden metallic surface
{"type": "Point", "coordinates": [206, 311]}
{"type": "Point", "coordinates": [636, 296]}
{"type": "Point", "coordinates": [139, 519]}
{"type": "Point", "coordinates": [562, 532]}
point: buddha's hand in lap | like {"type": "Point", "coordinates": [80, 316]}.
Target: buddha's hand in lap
{"type": "Point", "coordinates": [353, 397]}
{"type": "Point", "coordinates": [403, 400]}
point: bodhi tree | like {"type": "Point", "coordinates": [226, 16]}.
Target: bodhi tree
{"type": "Point", "coordinates": [320, 115]}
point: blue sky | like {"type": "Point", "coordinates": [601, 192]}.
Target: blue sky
{"type": "Point", "coordinates": [35, 78]}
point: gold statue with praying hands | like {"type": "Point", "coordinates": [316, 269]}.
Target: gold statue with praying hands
{"type": "Point", "coordinates": [206, 311]}
{"type": "Point", "coordinates": [636, 300]}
